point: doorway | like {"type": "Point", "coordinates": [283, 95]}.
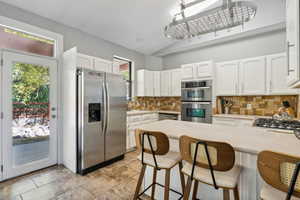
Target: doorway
{"type": "Point", "coordinates": [28, 87]}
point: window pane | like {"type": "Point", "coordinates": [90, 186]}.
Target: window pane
{"type": "Point", "coordinates": [12, 39]}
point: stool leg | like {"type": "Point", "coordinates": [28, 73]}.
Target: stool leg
{"type": "Point", "coordinates": [195, 190]}
{"type": "Point", "coordinates": [153, 181]}
{"type": "Point", "coordinates": [139, 183]}
{"type": "Point", "coordinates": [226, 194]}
{"type": "Point", "coordinates": [236, 193]}
{"type": "Point", "coordinates": [181, 176]}
{"type": "Point", "coordinates": [187, 189]}
{"type": "Point", "coordinates": [167, 184]}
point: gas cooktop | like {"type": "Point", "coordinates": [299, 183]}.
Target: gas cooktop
{"type": "Point", "coordinates": [277, 124]}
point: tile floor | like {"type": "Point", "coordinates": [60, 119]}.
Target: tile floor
{"type": "Point", "coordinates": [114, 182]}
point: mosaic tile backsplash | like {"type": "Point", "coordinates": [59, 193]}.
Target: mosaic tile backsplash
{"type": "Point", "coordinates": [261, 105]}
{"type": "Point", "coordinates": [155, 103]}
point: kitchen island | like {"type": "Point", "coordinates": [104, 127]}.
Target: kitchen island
{"type": "Point", "coordinates": [247, 142]}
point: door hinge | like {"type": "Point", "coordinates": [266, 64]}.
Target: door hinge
{"type": "Point", "coordinates": [1, 115]}
{"type": "Point", "coordinates": [1, 168]}
{"type": "Point", "coordinates": [1, 62]}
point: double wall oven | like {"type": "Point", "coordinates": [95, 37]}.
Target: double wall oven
{"type": "Point", "coordinates": [196, 100]}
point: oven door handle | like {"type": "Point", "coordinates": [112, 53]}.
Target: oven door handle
{"type": "Point", "coordinates": [196, 88]}
{"type": "Point", "coordinates": [203, 103]}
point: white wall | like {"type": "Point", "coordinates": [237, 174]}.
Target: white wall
{"type": "Point", "coordinates": [87, 44]}
{"type": "Point", "coordinates": [153, 63]}
{"type": "Point", "coordinates": [259, 45]}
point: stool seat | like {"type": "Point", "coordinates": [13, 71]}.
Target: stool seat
{"type": "Point", "coordinates": [227, 179]}
{"type": "Point", "coordinates": [270, 193]}
{"type": "Point", "coordinates": [166, 161]}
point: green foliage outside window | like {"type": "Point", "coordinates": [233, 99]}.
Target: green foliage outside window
{"type": "Point", "coordinates": [30, 83]}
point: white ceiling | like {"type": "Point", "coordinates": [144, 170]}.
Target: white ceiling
{"type": "Point", "coordinates": [135, 24]}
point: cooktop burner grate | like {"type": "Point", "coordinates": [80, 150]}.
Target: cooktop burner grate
{"type": "Point", "coordinates": [277, 124]}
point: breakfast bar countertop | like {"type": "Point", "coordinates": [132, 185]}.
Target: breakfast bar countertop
{"type": "Point", "coordinates": [243, 139]}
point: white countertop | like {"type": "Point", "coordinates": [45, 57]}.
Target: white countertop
{"type": "Point", "coordinates": [236, 116]}
{"type": "Point", "coordinates": [140, 112]}
{"type": "Point", "coordinates": [244, 139]}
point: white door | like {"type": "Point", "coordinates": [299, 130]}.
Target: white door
{"type": "Point", "coordinates": [29, 107]}
{"type": "Point", "coordinates": [176, 82]}
{"type": "Point", "coordinates": [188, 71]}
{"type": "Point", "coordinates": [227, 78]}
{"type": "Point", "coordinates": [165, 83]}
{"type": "Point", "coordinates": [292, 33]}
{"type": "Point", "coordinates": [277, 75]}
{"type": "Point", "coordinates": [204, 70]}
{"type": "Point", "coordinates": [253, 76]}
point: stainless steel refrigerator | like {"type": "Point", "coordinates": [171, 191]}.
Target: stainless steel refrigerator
{"type": "Point", "coordinates": [101, 119]}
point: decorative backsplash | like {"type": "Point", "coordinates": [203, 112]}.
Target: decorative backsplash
{"type": "Point", "coordinates": [261, 105]}
{"type": "Point", "coordinates": [155, 103]}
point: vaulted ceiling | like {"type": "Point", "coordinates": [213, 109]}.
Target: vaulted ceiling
{"type": "Point", "coordinates": [135, 24]}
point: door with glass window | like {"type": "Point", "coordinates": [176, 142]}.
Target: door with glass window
{"type": "Point", "coordinates": [29, 107]}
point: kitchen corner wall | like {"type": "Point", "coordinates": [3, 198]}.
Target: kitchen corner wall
{"type": "Point", "coordinates": [261, 105]}
{"type": "Point", "coordinates": [155, 103]}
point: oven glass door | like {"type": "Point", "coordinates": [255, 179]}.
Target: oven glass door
{"type": "Point", "coordinates": [197, 112]}
{"type": "Point", "coordinates": [196, 94]}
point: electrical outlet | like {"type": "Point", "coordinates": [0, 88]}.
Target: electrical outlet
{"type": "Point", "coordinates": [249, 106]}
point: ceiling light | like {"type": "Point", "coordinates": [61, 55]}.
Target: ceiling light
{"type": "Point", "coordinates": [192, 20]}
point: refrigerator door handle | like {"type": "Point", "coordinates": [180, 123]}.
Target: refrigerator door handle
{"type": "Point", "coordinates": [104, 108]}
{"type": "Point", "coordinates": [107, 108]}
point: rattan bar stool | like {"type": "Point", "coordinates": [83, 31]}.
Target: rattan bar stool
{"type": "Point", "coordinates": [154, 148]}
{"type": "Point", "coordinates": [211, 163]}
{"type": "Point", "coordinates": [281, 174]}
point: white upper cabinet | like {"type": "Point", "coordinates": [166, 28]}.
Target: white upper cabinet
{"type": "Point", "coordinates": [253, 76]}
{"type": "Point", "coordinates": [227, 78]}
{"type": "Point", "coordinates": [102, 65]}
{"type": "Point", "coordinates": [165, 85]}
{"type": "Point", "coordinates": [156, 83]}
{"type": "Point", "coordinates": [277, 75]}
{"type": "Point", "coordinates": [202, 70]}
{"type": "Point", "coordinates": [148, 83]}
{"type": "Point", "coordinates": [176, 82]}
{"type": "Point", "coordinates": [292, 43]}
{"type": "Point", "coordinates": [188, 71]}
{"type": "Point", "coordinates": [85, 61]}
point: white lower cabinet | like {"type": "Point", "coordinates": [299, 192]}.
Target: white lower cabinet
{"type": "Point", "coordinates": [233, 121]}
{"type": "Point", "coordinates": [133, 121]}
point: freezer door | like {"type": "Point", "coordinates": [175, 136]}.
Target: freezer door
{"type": "Point", "coordinates": [115, 136]}
{"type": "Point", "coordinates": [90, 119]}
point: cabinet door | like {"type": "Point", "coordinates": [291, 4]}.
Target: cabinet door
{"type": "Point", "coordinates": [165, 83]}
{"type": "Point", "coordinates": [156, 83]}
{"type": "Point", "coordinates": [253, 76]}
{"type": "Point", "coordinates": [84, 61]}
{"type": "Point", "coordinates": [140, 83]}
{"type": "Point", "coordinates": [277, 75]}
{"type": "Point", "coordinates": [292, 32]}
{"type": "Point", "coordinates": [102, 65]}
{"type": "Point", "coordinates": [176, 82]}
{"type": "Point", "coordinates": [187, 71]}
{"type": "Point", "coordinates": [203, 70]}
{"type": "Point", "coordinates": [149, 87]}
{"type": "Point", "coordinates": [227, 78]}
